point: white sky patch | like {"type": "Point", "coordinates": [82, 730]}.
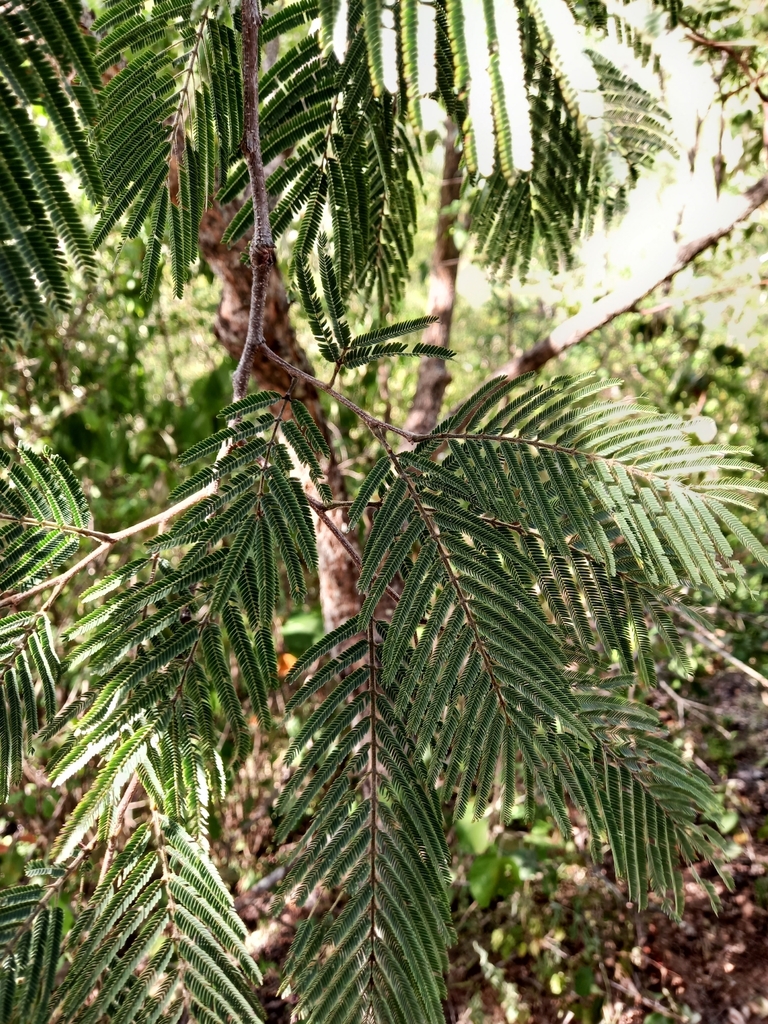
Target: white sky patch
{"type": "Point", "coordinates": [389, 50]}
{"type": "Point", "coordinates": [689, 90]}
{"type": "Point", "coordinates": [689, 96]}
{"type": "Point", "coordinates": [433, 117]}
{"type": "Point", "coordinates": [668, 206]}
{"type": "Point", "coordinates": [513, 77]}
{"type": "Point", "coordinates": [426, 33]}
{"type": "Point", "coordinates": [619, 168]}
{"type": "Point", "coordinates": [480, 108]}
{"type": "Point", "coordinates": [472, 285]}
{"type": "Point", "coordinates": [572, 63]}
{"type": "Point", "coordinates": [340, 31]}
{"type": "Point", "coordinates": [704, 427]}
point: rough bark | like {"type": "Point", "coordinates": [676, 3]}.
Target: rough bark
{"type": "Point", "coordinates": [337, 573]}
{"type": "Point", "coordinates": [433, 376]}
{"type": "Point", "coordinates": [723, 219]}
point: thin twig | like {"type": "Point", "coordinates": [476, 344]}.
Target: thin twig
{"type": "Point", "coordinates": [370, 421]}
{"type": "Point", "coordinates": [321, 512]}
{"type": "Point", "coordinates": [378, 426]}
{"type": "Point", "coordinates": [58, 581]}
{"type": "Point", "coordinates": [122, 807]}
{"type": "Point", "coordinates": [651, 1004]}
{"type": "Point", "coordinates": [108, 542]}
{"type": "Point", "coordinates": [49, 524]}
{"type": "Point", "coordinates": [713, 644]}
{"type": "Point", "coordinates": [702, 711]}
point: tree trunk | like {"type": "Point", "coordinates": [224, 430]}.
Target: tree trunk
{"type": "Point", "coordinates": [337, 571]}
{"type": "Point", "coordinates": [433, 375]}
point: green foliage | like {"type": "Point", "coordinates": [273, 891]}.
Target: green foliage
{"type": "Point", "coordinates": [28, 972]}
{"type": "Point", "coordinates": [510, 219]}
{"type": "Point", "coordinates": [43, 511]}
{"type": "Point", "coordinates": [687, 360]}
{"type": "Point", "coordinates": [536, 552]}
{"type": "Point", "coordinates": [537, 543]}
{"type": "Point", "coordinates": [340, 137]}
{"type": "Point", "coordinates": [538, 555]}
{"type": "Point", "coordinates": [185, 103]}
{"type": "Point", "coordinates": [359, 164]}
{"type": "Point", "coordinates": [332, 333]}
{"type": "Point", "coordinates": [44, 61]}
{"type": "Point", "coordinates": [492, 875]}
{"type": "Point", "coordinates": [159, 934]}
{"type": "Point", "coordinates": [376, 834]}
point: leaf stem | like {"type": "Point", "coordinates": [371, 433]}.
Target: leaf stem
{"type": "Point", "coordinates": [321, 512]}
{"type": "Point", "coordinates": [108, 541]}
{"type": "Point", "coordinates": [374, 788]}
{"type": "Point", "coordinates": [377, 426]}
{"type": "Point", "coordinates": [453, 579]}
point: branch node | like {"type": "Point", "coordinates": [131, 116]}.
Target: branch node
{"type": "Point", "coordinates": [263, 256]}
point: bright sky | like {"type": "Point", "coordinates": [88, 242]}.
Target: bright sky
{"type": "Point", "coordinates": [670, 203]}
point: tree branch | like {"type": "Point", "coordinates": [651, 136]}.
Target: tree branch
{"type": "Point", "coordinates": [726, 215]}
{"type": "Point", "coordinates": [233, 315]}
{"type": "Point", "coordinates": [262, 245]}
{"type": "Point", "coordinates": [108, 541]}
{"type": "Point", "coordinates": [562, 338]}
